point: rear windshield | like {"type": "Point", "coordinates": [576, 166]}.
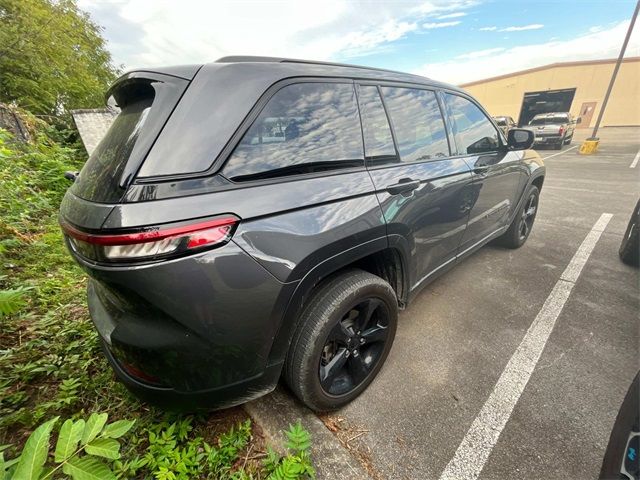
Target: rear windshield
{"type": "Point", "coordinates": [549, 120]}
{"type": "Point", "coordinates": [143, 106]}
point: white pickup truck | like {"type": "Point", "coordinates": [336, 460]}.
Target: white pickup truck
{"type": "Point", "coordinates": [555, 128]}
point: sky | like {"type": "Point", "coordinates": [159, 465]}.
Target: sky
{"type": "Point", "coordinates": [454, 41]}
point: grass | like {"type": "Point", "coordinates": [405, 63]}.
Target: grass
{"type": "Point", "coordinates": [50, 360]}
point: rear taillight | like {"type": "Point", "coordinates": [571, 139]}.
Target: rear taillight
{"type": "Point", "coordinates": [151, 243]}
{"type": "Point", "coordinates": [560, 130]}
{"type": "Point", "coordinates": [139, 374]}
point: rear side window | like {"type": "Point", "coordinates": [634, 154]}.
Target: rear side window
{"type": "Point", "coordinates": [378, 141]}
{"type": "Point", "coordinates": [304, 128]}
{"type": "Point", "coordinates": [143, 106]}
{"type": "Point", "coordinates": [473, 131]}
{"type": "Point", "coordinates": [417, 123]}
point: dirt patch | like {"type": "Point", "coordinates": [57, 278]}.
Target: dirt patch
{"type": "Point", "coordinates": [222, 421]}
{"type": "Point", "coordinates": [350, 437]}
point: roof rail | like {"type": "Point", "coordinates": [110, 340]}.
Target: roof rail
{"type": "Point", "coordinates": [249, 58]}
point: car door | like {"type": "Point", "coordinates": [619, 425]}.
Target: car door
{"type": "Point", "coordinates": [496, 170]}
{"type": "Point", "coordinates": [422, 190]}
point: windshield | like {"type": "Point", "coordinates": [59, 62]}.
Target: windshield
{"type": "Point", "coordinates": [549, 120]}
{"type": "Point", "coordinates": [143, 106]}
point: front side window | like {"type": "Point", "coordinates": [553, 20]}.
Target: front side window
{"type": "Point", "coordinates": [378, 141]}
{"type": "Point", "coordinates": [473, 131]}
{"type": "Point", "coordinates": [417, 123]}
{"type": "Point", "coordinates": [304, 128]}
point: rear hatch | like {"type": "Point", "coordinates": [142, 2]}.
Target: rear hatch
{"type": "Point", "coordinates": [144, 101]}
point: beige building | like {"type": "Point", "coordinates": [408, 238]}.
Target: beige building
{"type": "Point", "coordinates": [578, 87]}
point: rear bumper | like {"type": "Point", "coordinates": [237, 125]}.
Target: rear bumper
{"type": "Point", "coordinates": [548, 139]}
{"type": "Point", "coordinates": [216, 398]}
{"type": "Point", "coordinates": [195, 332]}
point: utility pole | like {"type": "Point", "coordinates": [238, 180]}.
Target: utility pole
{"type": "Point", "coordinates": [615, 71]}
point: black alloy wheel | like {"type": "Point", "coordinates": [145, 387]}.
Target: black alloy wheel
{"type": "Point", "coordinates": [354, 347]}
{"type": "Point", "coordinates": [343, 338]}
{"type": "Point", "coordinates": [522, 223]}
{"type": "Point", "coordinates": [528, 216]}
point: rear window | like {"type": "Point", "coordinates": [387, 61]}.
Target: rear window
{"type": "Point", "coordinates": [417, 123]}
{"type": "Point", "coordinates": [378, 140]}
{"type": "Point", "coordinates": [143, 106]}
{"type": "Point", "coordinates": [550, 120]}
{"type": "Point", "coordinates": [305, 128]}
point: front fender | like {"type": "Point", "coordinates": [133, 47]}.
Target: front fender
{"type": "Point", "coordinates": [535, 172]}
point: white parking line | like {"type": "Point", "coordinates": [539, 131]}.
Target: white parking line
{"type": "Point", "coordinates": [635, 160]}
{"type": "Point", "coordinates": [560, 153]}
{"type": "Point", "coordinates": [476, 446]}
{"type": "Point", "coordinates": [590, 191]}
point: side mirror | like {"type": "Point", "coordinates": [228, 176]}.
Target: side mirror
{"type": "Point", "coordinates": [520, 139]}
{"type": "Point", "coordinates": [579, 120]}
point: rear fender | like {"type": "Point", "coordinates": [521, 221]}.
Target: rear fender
{"type": "Point", "coordinates": [303, 290]}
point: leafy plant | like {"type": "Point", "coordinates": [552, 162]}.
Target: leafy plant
{"type": "Point", "coordinates": [11, 300]}
{"type": "Point", "coordinates": [52, 56]}
{"type": "Point", "coordinates": [78, 450]}
{"type": "Point", "coordinates": [296, 463]}
{"type": "Point", "coordinates": [51, 365]}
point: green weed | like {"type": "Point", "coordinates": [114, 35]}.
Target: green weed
{"type": "Point", "coordinates": [51, 365]}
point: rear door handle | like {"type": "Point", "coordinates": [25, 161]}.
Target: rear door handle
{"type": "Point", "coordinates": [404, 185]}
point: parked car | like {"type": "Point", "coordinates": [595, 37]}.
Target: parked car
{"type": "Point", "coordinates": [622, 457]}
{"type": "Point", "coordinates": [629, 251]}
{"type": "Point", "coordinates": [258, 217]}
{"type": "Point", "coordinates": [554, 128]}
{"type": "Point", "coordinates": [505, 124]}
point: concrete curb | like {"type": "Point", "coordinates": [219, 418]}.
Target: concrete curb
{"type": "Point", "coordinates": [274, 413]}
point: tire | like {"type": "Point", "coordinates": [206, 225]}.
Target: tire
{"type": "Point", "coordinates": [522, 223]}
{"type": "Point", "coordinates": [329, 341]}
{"type": "Point", "coordinates": [626, 426]}
{"type": "Point", "coordinates": [568, 140]}
{"type": "Point", "coordinates": [630, 246]}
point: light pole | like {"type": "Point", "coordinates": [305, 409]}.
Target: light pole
{"type": "Point", "coordinates": [591, 144]}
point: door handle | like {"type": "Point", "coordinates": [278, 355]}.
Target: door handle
{"type": "Point", "coordinates": [404, 185]}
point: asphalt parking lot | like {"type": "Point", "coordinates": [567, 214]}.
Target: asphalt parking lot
{"type": "Point", "coordinates": [454, 342]}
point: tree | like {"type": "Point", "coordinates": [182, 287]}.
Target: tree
{"type": "Point", "coordinates": [52, 57]}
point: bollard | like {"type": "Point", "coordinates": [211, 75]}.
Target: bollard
{"type": "Point", "coordinates": [589, 146]}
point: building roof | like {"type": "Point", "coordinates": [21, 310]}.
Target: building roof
{"type": "Point", "coordinates": [550, 66]}
{"type": "Point", "coordinates": [92, 124]}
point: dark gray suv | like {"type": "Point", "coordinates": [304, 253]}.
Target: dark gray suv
{"type": "Point", "coordinates": [258, 217]}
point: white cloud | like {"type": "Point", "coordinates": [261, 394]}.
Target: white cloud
{"type": "Point", "coordinates": [533, 26]}
{"type": "Point", "coordinates": [488, 29]}
{"type": "Point", "coordinates": [597, 45]}
{"type": "Point", "coordinates": [144, 33]}
{"type": "Point", "coordinates": [436, 7]}
{"type": "Point", "coordinates": [432, 25]}
{"type": "Point", "coordinates": [480, 53]}
{"type": "Point", "coordinates": [452, 15]}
